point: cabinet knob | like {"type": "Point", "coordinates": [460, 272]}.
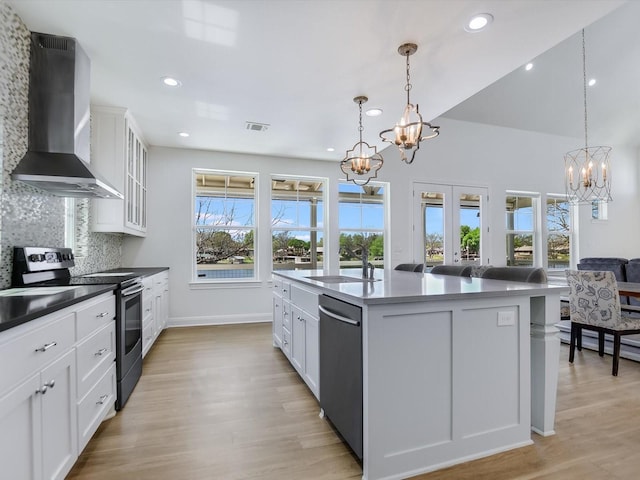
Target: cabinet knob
{"type": "Point", "coordinates": [46, 347]}
{"type": "Point", "coordinates": [50, 384]}
{"type": "Point", "coordinates": [42, 390]}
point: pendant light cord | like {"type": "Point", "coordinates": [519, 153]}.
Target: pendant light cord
{"type": "Point", "coordinates": [408, 85]}
{"type": "Point", "coordinates": [584, 86]}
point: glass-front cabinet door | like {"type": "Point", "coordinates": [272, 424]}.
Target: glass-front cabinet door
{"type": "Point", "coordinates": [448, 224]}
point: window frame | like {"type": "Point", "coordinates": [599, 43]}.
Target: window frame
{"type": "Point", "coordinates": [535, 232]}
{"type": "Point", "coordinates": [321, 229]}
{"type": "Point", "coordinates": [384, 231]}
{"type": "Point", "coordinates": [572, 232]}
{"type": "Point", "coordinates": [195, 280]}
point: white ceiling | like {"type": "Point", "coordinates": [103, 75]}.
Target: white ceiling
{"type": "Point", "coordinates": [297, 64]}
{"type": "Point", "coordinates": [549, 98]}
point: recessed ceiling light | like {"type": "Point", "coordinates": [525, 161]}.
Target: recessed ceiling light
{"type": "Point", "coordinates": [528, 66]}
{"type": "Point", "coordinates": [183, 134]}
{"type": "Point", "coordinates": [331, 149]}
{"type": "Point", "coordinates": [171, 82]}
{"type": "Point", "coordinates": [373, 112]}
{"type": "Point", "coordinates": [479, 22]}
{"type": "Point", "coordinates": [592, 82]}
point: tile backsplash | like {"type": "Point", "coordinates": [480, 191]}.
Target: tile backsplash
{"type": "Point", "coordinates": [29, 216]}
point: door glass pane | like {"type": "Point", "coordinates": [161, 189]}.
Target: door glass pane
{"type": "Point", "coordinates": [469, 216]}
{"type": "Point", "coordinates": [434, 224]}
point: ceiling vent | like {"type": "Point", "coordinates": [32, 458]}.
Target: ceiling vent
{"type": "Point", "coordinates": [257, 127]}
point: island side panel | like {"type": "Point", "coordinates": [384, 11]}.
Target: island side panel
{"type": "Point", "coordinates": [545, 358]}
{"type": "Point", "coordinates": [444, 382]}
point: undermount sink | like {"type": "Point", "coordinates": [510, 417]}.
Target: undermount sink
{"type": "Point", "coordinates": [340, 279]}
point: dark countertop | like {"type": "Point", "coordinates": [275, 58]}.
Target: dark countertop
{"type": "Point", "coordinates": [18, 309]}
{"type": "Point", "coordinates": [140, 271]}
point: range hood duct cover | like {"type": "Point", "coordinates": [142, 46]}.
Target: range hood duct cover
{"type": "Point", "coordinates": [59, 122]}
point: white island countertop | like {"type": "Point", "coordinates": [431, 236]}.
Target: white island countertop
{"type": "Point", "coordinates": [394, 286]}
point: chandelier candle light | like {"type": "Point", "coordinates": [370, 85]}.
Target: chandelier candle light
{"type": "Point", "coordinates": [408, 133]}
{"type": "Point", "coordinates": [587, 171]}
{"type": "Point", "coordinates": [363, 161]}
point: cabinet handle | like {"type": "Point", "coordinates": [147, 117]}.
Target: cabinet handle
{"type": "Point", "coordinates": [285, 342]}
{"type": "Point", "coordinates": [46, 347]}
{"type": "Point", "coordinates": [300, 318]}
{"type": "Point", "coordinates": [103, 398]}
{"type": "Point", "coordinates": [50, 384]}
{"type": "Point", "coordinates": [100, 352]}
{"type": "Point", "coordinates": [42, 390]}
{"type": "Point", "coordinates": [103, 314]}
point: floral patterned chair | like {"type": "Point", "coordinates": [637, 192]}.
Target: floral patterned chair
{"type": "Point", "coordinates": [594, 304]}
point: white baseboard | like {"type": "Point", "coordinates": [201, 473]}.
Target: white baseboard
{"type": "Point", "coordinates": [220, 320]}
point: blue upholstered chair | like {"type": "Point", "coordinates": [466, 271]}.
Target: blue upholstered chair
{"type": "Point", "coordinates": [594, 304]}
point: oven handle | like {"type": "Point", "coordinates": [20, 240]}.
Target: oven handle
{"type": "Point", "coordinates": [132, 290]}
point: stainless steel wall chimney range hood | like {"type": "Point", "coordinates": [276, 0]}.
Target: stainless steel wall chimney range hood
{"type": "Point", "coordinates": [59, 126]}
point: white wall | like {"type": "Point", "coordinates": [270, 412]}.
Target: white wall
{"type": "Point", "coordinates": [465, 153]}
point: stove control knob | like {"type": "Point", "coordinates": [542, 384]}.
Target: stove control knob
{"type": "Point", "coordinates": [35, 257]}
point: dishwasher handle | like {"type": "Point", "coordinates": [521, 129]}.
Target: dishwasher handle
{"type": "Point", "coordinates": [340, 318]}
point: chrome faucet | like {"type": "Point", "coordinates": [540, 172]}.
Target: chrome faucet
{"type": "Point", "coordinates": [371, 269]}
{"type": "Point", "coordinates": [365, 262]}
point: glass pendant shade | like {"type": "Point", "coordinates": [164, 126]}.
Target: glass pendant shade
{"type": "Point", "coordinates": [363, 161]}
{"type": "Point", "coordinates": [587, 174]}
{"type": "Point", "coordinates": [408, 132]}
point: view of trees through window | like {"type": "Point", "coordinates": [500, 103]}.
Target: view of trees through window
{"type": "Point", "coordinates": [558, 215]}
{"type": "Point", "coordinates": [361, 223]}
{"type": "Point", "coordinates": [224, 224]}
{"type": "Point", "coordinates": [297, 223]}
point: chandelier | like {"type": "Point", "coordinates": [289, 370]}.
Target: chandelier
{"type": "Point", "coordinates": [408, 133]}
{"type": "Point", "coordinates": [362, 162]}
{"type": "Point", "coordinates": [587, 171]}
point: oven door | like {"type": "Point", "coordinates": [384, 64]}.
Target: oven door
{"type": "Point", "coordinates": [128, 342]}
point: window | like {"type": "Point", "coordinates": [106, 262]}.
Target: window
{"type": "Point", "coordinates": [361, 214]}
{"type": "Point", "coordinates": [224, 225]}
{"type": "Point", "coordinates": [520, 218]}
{"type": "Point", "coordinates": [559, 232]}
{"type": "Point", "coordinates": [297, 222]}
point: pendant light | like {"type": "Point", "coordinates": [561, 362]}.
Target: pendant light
{"type": "Point", "coordinates": [363, 161]}
{"type": "Point", "coordinates": [587, 170]}
{"type": "Point", "coordinates": [408, 132]}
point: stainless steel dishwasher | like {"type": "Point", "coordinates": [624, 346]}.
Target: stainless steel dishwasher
{"type": "Point", "coordinates": [341, 368]}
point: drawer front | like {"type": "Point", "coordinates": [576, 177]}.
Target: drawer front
{"type": "Point", "coordinates": [286, 315]}
{"type": "Point", "coordinates": [277, 286]}
{"type": "Point", "coordinates": [286, 342]}
{"type": "Point", "coordinates": [95, 355]}
{"type": "Point", "coordinates": [286, 290]}
{"type": "Point", "coordinates": [95, 316]}
{"type": "Point", "coordinates": [147, 309]}
{"type": "Point", "coordinates": [148, 332]}
{"type": "Point", "coordinates": [305, 299]}
{"type": "Point", "coordinates": [95, 405]}
{"type": "Point", "coordinates": [29, 352]}
{"type": "Point", "coordinates": [160, 282]}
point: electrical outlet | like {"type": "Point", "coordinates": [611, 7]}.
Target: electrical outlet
{"type": "Point", "coordinates": [506, 319]}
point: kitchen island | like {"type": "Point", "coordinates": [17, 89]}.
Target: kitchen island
{"type": "Point", "coordinates": [453, 368]}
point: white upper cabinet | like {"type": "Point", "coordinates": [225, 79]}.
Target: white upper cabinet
{"type": "Point", "coordinates": [119, 153]}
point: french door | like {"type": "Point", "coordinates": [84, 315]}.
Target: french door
{"type": "Point", "coordinates": [449, 225]}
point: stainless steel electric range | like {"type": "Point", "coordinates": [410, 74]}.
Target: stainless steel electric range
{"type": "Point", "coordinates": [45, 266]}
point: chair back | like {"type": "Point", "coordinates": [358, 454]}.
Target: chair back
{"type": "Point", "coordinates": [594, 298]}
{"type": "Point", "coordinates": [410, 267]}
{"type": "Point", "coordinates": [516, 274]}
{"type": "Point", "coordinates": [457, 270]}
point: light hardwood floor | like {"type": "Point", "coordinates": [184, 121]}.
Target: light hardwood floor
{"type": "Point", "coordinates": [221, 403]}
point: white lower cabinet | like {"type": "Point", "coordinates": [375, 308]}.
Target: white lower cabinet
{"type": "Point", "coordinates": [155, 308]}
{"type": "Point", "coordinates": [296, 329]}
{"type": "Point", "coordinates": [41, 415]}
